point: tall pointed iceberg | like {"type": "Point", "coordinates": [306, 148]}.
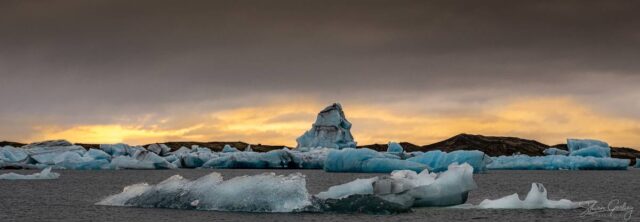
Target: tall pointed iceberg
{"type": "Point", "coordinates": [331, 129]}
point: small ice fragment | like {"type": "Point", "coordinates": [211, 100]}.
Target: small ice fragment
{"type": "Point", "coordinates": [45, 174]}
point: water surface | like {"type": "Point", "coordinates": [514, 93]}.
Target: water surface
{"type": "Point", "coordinates": [73, 195]}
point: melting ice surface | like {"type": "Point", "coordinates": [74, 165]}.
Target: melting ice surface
{"type": "Point", "coordinates": [588, 147]}
{"type": "Point", "coordinates": [438, 161]}
{"type": "Point", "coordinates": [277, 193]}
{"type": "Point", "coordinates": [45, 174]}
{"type": "Point", "coordinates": [536, 199]}
{"type": "Point", "coordinates": [556, 162]}
{"type": "Point", "coordinates": [259, 193]}
{"type": "Point", "coordinates": [367, 161]}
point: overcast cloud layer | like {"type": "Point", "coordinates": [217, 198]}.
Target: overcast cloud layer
{"type": "Point", "coordinates": [69, 63]}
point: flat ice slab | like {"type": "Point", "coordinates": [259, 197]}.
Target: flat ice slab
{"type": "Point", "coordinates": [367, 161]}
{"type": "Point", "coordinates": [556, 162]}
{"type": "Point", "coordinates": [45, 174]}
{"type": "Point", "coordinates": [535, 199]}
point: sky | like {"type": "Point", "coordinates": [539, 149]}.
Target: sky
{"type": "Point", "coordinates": [258, 71]}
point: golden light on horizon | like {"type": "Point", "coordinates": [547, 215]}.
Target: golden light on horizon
{"type": "Point", "coordinates": [548, 120]}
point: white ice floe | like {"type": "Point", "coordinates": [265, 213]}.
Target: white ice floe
{"type": "Point", "coordinates": [45, 174]}
{"type": "Point", "coordinates": [535, 199]}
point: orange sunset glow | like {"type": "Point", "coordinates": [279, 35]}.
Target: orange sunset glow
{"type": "Point", "coordinates": [549, 120]}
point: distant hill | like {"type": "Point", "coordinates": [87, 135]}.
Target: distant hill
{"type": "Point", "coordinates": [9, 143]}
{"type": "Point", "coordinates": [491, 145]}
{"type": "Point", "coordinates": [217, 146]}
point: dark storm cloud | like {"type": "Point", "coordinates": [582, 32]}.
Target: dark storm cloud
{"type": "Point", "coordinates": [92, 60]}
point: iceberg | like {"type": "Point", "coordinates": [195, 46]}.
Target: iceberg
{"type": "Point", "coordinates": [259, 193]}
{"type": "Point", "coordinates": [588, 147]}
{"type": "Point", "coordinates": [229, 149]}
{"type": "Point", "coordinates": [312, 159]}
{"type": "Point", "coordinates": [439, 161]}
{"type": "Point", "coordinates": [367, 161]}
{"type": "Point", "coordinates": [97, 154]}
{"type": "Point", "coordinates": [74, 161]}
{"type": "Point", "coordinates": [535, 199]}
{"type": "Point", "coordinates": [45, 152]}
{"type": "Point", "coordinates": [555, 151]}
{"type": "Point", "coordinates": [395, 148]}
{"type": "Point", "coordinates": [160, 149]}
{"type": "Point", "coordinates": [556, 162]}
{"type": "Point", "coordinates": [196, 159]}
{"type": "Point", "coordinates": [331, 130]}
{"type": "Point", "coordinates": [401, 191]}
{"type": "Point", "coordinates": [120, 149]}
{"type": "Point", "coordinates": [181, 151]}
{"type": "Point", "coordinates": [637, 163]}
{"type": "Point", "coordinates": [127, 162]}
{"type": "Point", "coordinates": [13, 155]}
{"type": "Point", "coordinates": [143, 160]}
{"type": "Point", "coordinates": [278, 193]}
{"type": "Point", "coordinates": [45, 174]}
{"type": "Point", "coordinates": [250, 160]}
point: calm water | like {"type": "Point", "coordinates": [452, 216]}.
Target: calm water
{"type": "Point", "coordinates": [72, 197]}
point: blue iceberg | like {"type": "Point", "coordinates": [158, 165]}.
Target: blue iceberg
{"type": "Point", "coordinates": [250, 160]}
{"type": "Point", "coordinates": [331, 130]}
{"type": "Point", "coordinates": [367, 161]}
{"type": "Point", "coordinates": [160, 149]}
{"type": "Point", "coordinates": [229, 149]}
{"type": "Point", "coordinates": [144, 160]}
{"type": "Point", "coordinates": [195, 159]}
{"type": "Point", "coordinates": [394, 147]}
{"type": "Point", "coordinates": [439, 161]}
{"type": "Point", "coordinates": [45, 152]}
{"type": "Point", "coordinates": [556, 162]}
{"type": "Point", "coordinates": [555, 151]}
{"type": "Point", "coordinates": [13, 155]}
{"type": "Point", "coordinates": [97, 154]}
{"type": "Point", "coordinates": [637, 163]}
{"type": "Point", "coordinates": [311, 159]}
{"type": "Point", "coordinates": [588, 147]}
{"type": "Point", "coordinates": [74, 161]}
